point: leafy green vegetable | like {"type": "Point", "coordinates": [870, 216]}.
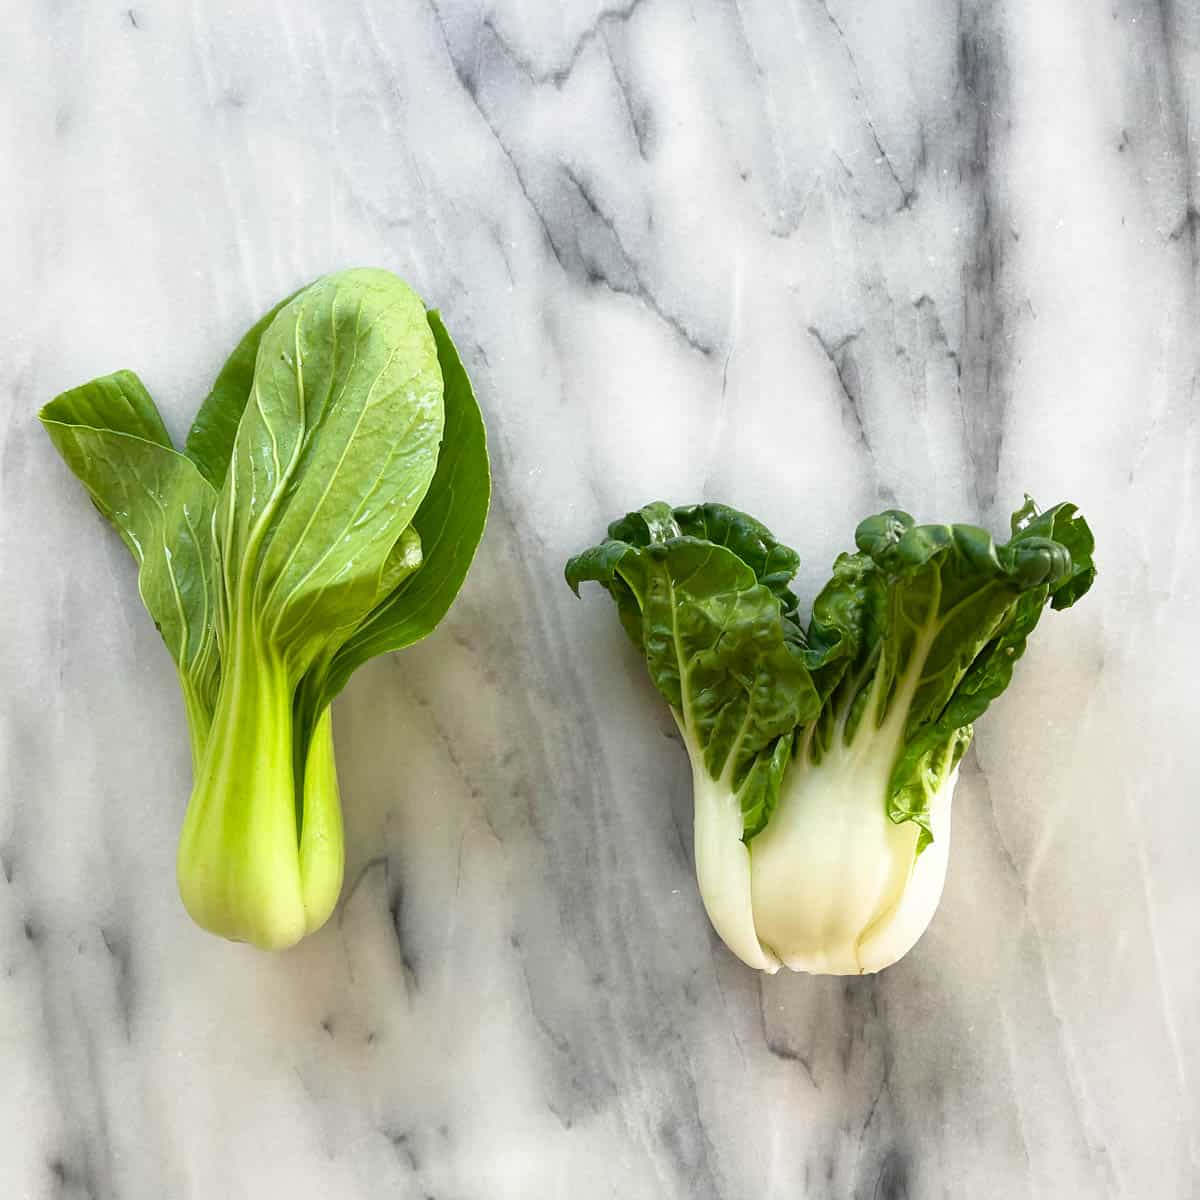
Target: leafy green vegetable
{"type": "Point", "coordinates": [328, 503]}
{"type": "Point", "coordinates": [111, 436]}
{"type": "Point", "coordinates": [448, 522]}
{"type": "Point", "coordinates": [210, 440]}
{"type": "Point", "coordinates": [824, 756]}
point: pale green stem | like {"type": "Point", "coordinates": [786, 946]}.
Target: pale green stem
{"type": "Point", "coordinates": [239, 862]}
{"type": "Point", "coordinates": [199, 721]}
{"type": "Point", "coordinates": [322, 853]}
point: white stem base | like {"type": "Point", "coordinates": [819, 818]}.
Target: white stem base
{"type": "Point", "coordinates": [836, 886]}
{"type": "Point", "coordinates": [723, 870]}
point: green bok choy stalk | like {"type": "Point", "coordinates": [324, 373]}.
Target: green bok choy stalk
{"type": "Point", "coordinates": [325, 509]}
{"type": "Point", "coordinates": [824, 755]}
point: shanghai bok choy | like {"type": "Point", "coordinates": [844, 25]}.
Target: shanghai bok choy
{"type": "Point", "coordinates": [824, 755]}
{"type": "Point", "coordinates": [324, 509]}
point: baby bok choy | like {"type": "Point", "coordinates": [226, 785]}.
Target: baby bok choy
{"type": "Point", "coordinates": [324, 509]}
{"type": "Point", "coordinates": [824, 754]}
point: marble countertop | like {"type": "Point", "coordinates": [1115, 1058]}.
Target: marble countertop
{"type": "Point", "coordinates": [812, 258]}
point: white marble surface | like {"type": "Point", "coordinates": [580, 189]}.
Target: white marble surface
{"type": "Point", "coordinates": [807, 256]}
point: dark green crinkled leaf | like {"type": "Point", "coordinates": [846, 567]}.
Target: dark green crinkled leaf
{"type": "Point", "coordinates": [598, 564]}
{"type": "Point", "coordinates": [1064, 525]}
{"type": "Point", "coordinates": [714, 634]}
{"type": "Point", "coordinates": [774, 564]}
{"type": "Point", "coordinates": [653, 522]}
{"type": "Point", "coordinates": [968, 606]}
{"type": "Point", "coordinates": [745, 685]}
{"type": "Point", "coordinates": [949, 592]}
{"type": "Point", "coordinates": [918, 780]}
{"type": "Point", "coordinates": [759, 793]}
{"type": "Point", "coordinates": [844, 617]}
{"type": "Point", "coordinates": [931, 617]}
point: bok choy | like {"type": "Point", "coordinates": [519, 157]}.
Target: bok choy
{"type": "Point", "coordinates": [324, 509]}
{"type": "Point", "coordinates": [825, 752]}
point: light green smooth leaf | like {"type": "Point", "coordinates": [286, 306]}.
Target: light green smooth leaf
{"type": "Point", "coordinates": [450, 523]}
{"type": "Point", "coordinates": [335, 452]}
{"type": "Point", "coordinates": [109, 434]}
{"type": "Point", "coordinates": [118, 402]}
{"type": "Point", "coordinates": [210, 440]}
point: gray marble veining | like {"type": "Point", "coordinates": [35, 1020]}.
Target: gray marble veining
{"type": "Point", "coordinates": [812, 257]}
